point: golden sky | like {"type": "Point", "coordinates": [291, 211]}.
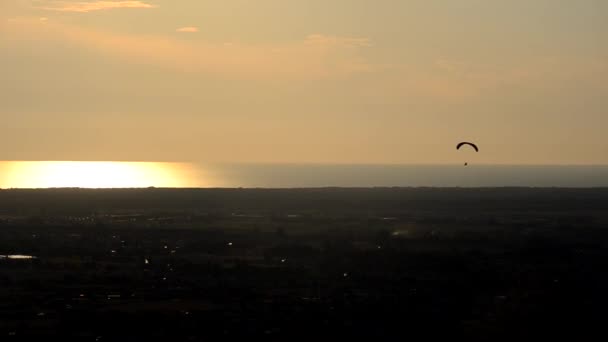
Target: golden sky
{"type": "Point", "coordinates": [315, 81]}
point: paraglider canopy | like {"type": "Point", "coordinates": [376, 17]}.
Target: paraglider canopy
{"type": "Point", "coordinates": [467, 143]}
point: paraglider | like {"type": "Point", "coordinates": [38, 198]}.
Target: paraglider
{"type": "Point", "coordinates": [469, 144]}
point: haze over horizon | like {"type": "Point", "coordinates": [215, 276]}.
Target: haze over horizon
{"type": "Point", "coordinates": [340, 82]}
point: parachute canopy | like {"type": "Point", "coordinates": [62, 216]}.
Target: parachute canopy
{"type": "Point", "coordinates": [467, 143]}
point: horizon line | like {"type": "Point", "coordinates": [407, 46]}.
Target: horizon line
{"type": "Point", "coordinates": [262, 163]}
{"type": "Point", "coordinates": [605, 187]}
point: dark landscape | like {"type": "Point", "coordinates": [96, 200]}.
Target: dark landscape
{"type": "Point", "coordinates": [500, 264]}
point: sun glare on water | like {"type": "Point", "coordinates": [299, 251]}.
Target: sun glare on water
{"type": "Point", "coordinates": [57, 174]}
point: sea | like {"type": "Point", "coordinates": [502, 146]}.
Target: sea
{"type": "Point", "coordinates": [320, 175]}
{"type": "Point", "coordinates": [40, 174]}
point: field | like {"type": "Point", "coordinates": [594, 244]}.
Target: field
{"type": "Point", "coordinates": [301, 264]}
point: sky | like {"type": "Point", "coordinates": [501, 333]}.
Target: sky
{"type": "Point", "coordinates": [315, 81]}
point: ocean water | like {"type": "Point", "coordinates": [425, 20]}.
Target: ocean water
{"type": "Point", "coordinates": [40, 174]}
{"type": "Point", "coordinates": [295, 176]}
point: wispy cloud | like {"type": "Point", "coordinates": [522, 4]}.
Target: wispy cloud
{"type": "Point", "coordinates": [314, 57]}
{"type": "Point", "coordinates": [329, 40]}
{"type": "Point", "coordinates": [187, 29]}
{"type": "Point", "coordinates": [91, 6]}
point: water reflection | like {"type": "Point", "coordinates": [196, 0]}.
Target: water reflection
{"type": "Point", "coordinates": [59, 174]}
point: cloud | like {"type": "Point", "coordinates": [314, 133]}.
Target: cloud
{"type": "Point", "coordinates": [90, 6]}
{"type": "Point", "coordinates": [314, 57]}
{"type": "Point", "coordinates": [188, 29]}
{"type": "Point", "coordinates": [328, 40]}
